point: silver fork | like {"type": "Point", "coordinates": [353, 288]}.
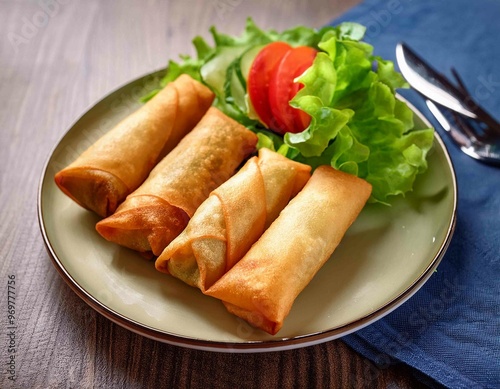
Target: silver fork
{"type": "Point", "coordinates": [473, 129]}
{"type": "Point", "coordinates": [466, 136]}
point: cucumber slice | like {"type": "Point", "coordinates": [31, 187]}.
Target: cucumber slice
{"type": "Point", "coordinates": [227, 73]}
{"type": "Point", "coordinates": [214, 71]}
{"type": "Point", "coordinates": [246, 61]}
{"type": "Point", "coordinates": [234, 90]}
{"type": "Point", "coordinates": [250, 111]}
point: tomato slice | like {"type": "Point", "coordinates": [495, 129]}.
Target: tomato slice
{"type": "Point", "coordinates": [282, 89]}
{"type": "Point", "coordinates": [259, 76]}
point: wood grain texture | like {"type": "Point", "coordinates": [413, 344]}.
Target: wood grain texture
{"type": "Point", "coordinates": [56, 59]}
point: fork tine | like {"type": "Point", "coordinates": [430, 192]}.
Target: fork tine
{"type": "Point", "coordinates": [464, 136]}
{"type": "Point", "coordinates": [462, 126]}
{"type": "Point", "coordinates": [469, 130]}
{"type": "Point", "coordinates": [489, 126]}
{"type": "Point", "coordinates": [460, 81]}
{"type": "Point", "coordinates": [455, 132]}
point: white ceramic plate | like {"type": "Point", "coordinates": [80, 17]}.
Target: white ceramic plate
{"type": "Point", "coordinates": [385, 257]}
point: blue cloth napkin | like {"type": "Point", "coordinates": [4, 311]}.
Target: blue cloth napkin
{"type": "Point", "coordinates": [449, 331]}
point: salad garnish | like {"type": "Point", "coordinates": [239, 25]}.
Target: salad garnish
{"type": "Point", "coordinates": [317, 96]}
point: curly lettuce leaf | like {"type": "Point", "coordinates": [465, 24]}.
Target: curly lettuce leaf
{"type": "Point", "coordinates": [357, 123]}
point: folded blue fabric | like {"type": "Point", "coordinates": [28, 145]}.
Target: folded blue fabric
{"type": "Point", "coordinates": [449, 330]}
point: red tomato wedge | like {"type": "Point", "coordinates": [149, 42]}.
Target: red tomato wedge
{"type": "Point", "coordinates": [282, 89]}
{"type": "Point", "coordinates": [259, 76]}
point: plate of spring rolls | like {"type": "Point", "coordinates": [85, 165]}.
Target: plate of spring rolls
{"type": "Point", "coordinates": [166, 219]}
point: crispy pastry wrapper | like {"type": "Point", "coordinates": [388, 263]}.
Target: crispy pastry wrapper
{"type": "Point", "coordinates": [117, 163]}
{"type": "Point", "coordinates": [233, 217]}
{"type": "Point", "coordinates": [154, 214]}
{"type": "Point", "coordinates": [263, 285]}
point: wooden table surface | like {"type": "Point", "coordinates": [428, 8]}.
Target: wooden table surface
{"type": "Point", "coordinates": [56, 59]}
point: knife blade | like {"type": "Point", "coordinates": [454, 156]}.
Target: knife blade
{"type": "Point", "coordinates": [429, 82]}
{"type": "Point", "coordinates": [436, 87]}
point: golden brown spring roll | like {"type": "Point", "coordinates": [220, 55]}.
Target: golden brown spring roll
{"type": "Point", "coordinates": [232, 219]}
{"type": "Point", "coordinates": [116, 164]}
{"type": "Point", "coordinates": [263, 285]}
{"type": "Point", "coordinates": [154, 214]}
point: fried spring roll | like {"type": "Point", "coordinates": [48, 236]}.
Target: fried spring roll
{"type": "Point", "coordinates": [232, 219]}
{"type": "Point", "coordinates": [153, 215]}
{"type": "Point", "coordinates": [116, 164]}
{"type": "Point", "coordinates": [263, 285]}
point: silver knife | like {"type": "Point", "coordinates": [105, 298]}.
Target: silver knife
{"type": "Point", "coordinates": [436, 87]}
